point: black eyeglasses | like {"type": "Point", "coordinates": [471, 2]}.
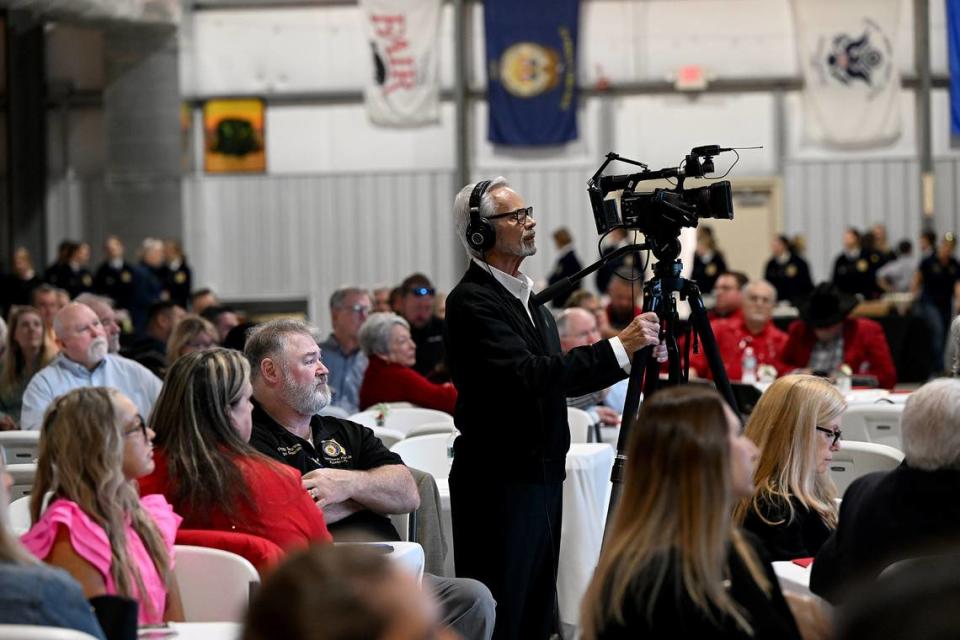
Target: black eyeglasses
{"type": "Point", "coordinates": [421, 291]}
{"type": "Point", "coordinates": [836, 434]}
{"type": "Point", "coordinates": [520, 214]}
{"type": "Point", "coordinates": [135, 425]}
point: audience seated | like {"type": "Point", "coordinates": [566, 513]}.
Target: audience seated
{"type": "Point", "coordinates": [201, 299]}
{"type": "Point", "coordinates": [825, 338]}
{"type": "Point", "coordinates": [381, 299]}
{"type": "Point", "coordinates": [343, 593]}
{"type": "Point", "coordinates": [94, 447]}
{"type": "Point", "coordinates": [103, 307]}
{"type": "Point", "coordinates": [33, 593]}
{"type": "Point", "coordinates": [70, 272]}
{"type": "Point", "coordinates": [567, 264]}
{"type": "Point", "coordinates": [28, 350]}
{"type": "Point", "coordinates": [909, 512]}
{"type": "Point", "coordinates": [46, 300]}
{"type": "Point", "coordinates": [207, 470]}
{"type": "Point", "coordinates": [342, 354]}
{"type": "Point", "coordinates": [673, 564]}
{"type": "Point", "coordinates": [390, 376]}
{"type": "Point", "coordinates": [578, 327]}
{"type": "Point", "coordinates": [728, 295]}
{"type": "Point", "coordinates": [223, 318]}
{"type": "Point", "coordinates": [416, 307]}
{"type": "Point", "coordinates": [192, 333]}
{"type": "Point", "coordinates": [787, 271]}
{"type": "Point", "coordinates": [626, 294]}
{"type": "Point", "coordinates": [752, 328]}
{"type": "Point", "coordinates": [708, 261]}
{"type": "Point", "coordinates": [796, 424]}
{"type": "Point", "coordinates": [84, 362]}
{"type": "Point", "coordinates": [591, 302]}
{"type": "Point", "coordinates": [355, 479]}
{"type": "Point", "coordinates": [150, 348]}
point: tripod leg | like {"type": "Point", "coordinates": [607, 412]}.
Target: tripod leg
{"type": "Point", "coordinates": [701, 324]}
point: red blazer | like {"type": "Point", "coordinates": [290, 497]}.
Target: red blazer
{"type": "Point", "coordinates": [390, 382]}
{"type": "Point", "coordinates": [285, 514]}
{"type": "Point", "coordinates": [865, 349]}
{"type": "Point", "coordinates": [733, 338]}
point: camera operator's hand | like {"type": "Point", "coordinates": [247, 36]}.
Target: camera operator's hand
{"type": "Point", "coordinates": [642, 332]}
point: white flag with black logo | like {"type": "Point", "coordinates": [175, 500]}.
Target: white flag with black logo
{"type": "Point", "coordinates": [852, 85]}
{"type": "Point", "coordinates": [402, 39]}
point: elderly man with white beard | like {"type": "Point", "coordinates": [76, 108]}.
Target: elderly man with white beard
{"type": "Point", "coordinates": [84, 362]}
{"type": "Point", "coordinates": [345, 468]}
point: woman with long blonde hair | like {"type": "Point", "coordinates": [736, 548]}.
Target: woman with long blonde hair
{"type": "Point", "coordinates": [674, 564]}
{"type": "Point", "coordinates": [192, 333]}
{"type": "Point", "coordinates": [29, 349]}
{"type": "Point", "coordinates": [113, 542]}
{"type": "Point", "coordinates": [796, 424]}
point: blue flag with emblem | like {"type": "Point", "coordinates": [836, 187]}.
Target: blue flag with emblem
{"type": "Point", "coordinates": [531, 70]}
{"type": "Point", "coordinates": [953, 43]}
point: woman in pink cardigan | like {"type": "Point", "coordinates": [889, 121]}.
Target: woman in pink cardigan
{"type": "Point", "coordinates": [385, 338]}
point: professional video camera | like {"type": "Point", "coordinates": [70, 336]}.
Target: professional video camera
{"type": "Point", "coordinates": [661, 213]}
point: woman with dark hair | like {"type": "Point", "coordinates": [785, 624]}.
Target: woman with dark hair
{"type": "Point", "coordinates": [787, 271]}
{"type": "Point", "coordinates": [206, 467]}
{"type": "Point", "coordinates": [708, 261]}
{"type": "Point", "coordinates": [29, 349]}
{"type": "Point", "coordinates": [674, 564]}
{"type": "Point", "coordinates": [112, 541]}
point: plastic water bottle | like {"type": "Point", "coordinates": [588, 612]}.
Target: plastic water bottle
{"type": "Point", "coordinates": [748, 367]}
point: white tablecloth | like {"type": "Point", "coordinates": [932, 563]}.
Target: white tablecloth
{"type": "Point", "coordinates": [204, 631]}
{"type": "Point", "coordinates": [793, 577]}
{"type": "Point", "coordinates": [586, 495]}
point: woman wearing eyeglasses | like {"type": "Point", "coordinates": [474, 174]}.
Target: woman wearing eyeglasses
{"type": "Point", "coordinates": [674, 564]}
{"type": "Point", "coordinates": [96, 527]}
{"type": "Point", "coordinates": [796, 424]}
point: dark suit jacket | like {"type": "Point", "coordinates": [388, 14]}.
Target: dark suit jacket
{"type": "Point", "coordinates": [512, 380]}
{"type": "Point", "coordinates": [886, 517]}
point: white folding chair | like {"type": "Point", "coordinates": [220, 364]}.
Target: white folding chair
{"type": "Point", "coordinates": [31, 632]}
{"type": "Point", "coordinates": [388, 437]}
{"type": "Point", "coordinates": [19, 514]}
{"type": "Point", "coordinates": [855, 459]}
{"type": "Point", "coordinates": [408, 556]}
{"type": "Point", "coordinates": [580, 423]}
{"type": "Point", "coordinates": [432, 427]}
{"type": "Point", "coordinates": [402, 420]}
{"type": "Point", "coordinates": [428, 453]}
{"type": "Point", "coordinates": [215, 585]}
{"type": "Point", "coordinates": [22, 479]}
{"type": "Point", "coordinates": [19, 446]}
{"type": "Point", "coordinates": [875, 422]}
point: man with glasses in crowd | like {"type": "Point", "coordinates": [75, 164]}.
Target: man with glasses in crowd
{"type": "Point", "coordinates": [416, 306]}
{"type": "Point", "coordinates": [347, 363]}
{"type": "Point", "coordinates": [752, 328]}
{"type": "Point", "coordinates": [84, 362]}
{"type": "Point", "coordinates": [504, 355]}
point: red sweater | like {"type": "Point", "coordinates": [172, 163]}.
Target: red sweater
{"type": "Point", "coordinates": [865, 349]}
{"type": "Point", "coordinates": [390, 382]}
{"type": "Point", "coordinates": [733, 338]}
{"type": "Point", "coordinates": [286, 515]}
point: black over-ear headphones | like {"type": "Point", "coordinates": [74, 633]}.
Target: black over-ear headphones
{"type": "Point", "coordinates": [481, 234]}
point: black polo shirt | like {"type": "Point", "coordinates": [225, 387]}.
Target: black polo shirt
{"type": "Point", "coordinates": [342, 445]}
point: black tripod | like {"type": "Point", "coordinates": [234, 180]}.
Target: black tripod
{"type": "Point", "coordinates": [645, 372]}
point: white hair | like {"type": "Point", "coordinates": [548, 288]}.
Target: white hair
{"type": "Point", "coordinates": [374, 335]}
{"type": "Point", "coordinates": [461, 209]}
{"type": "Point", "coordinates": [931, 439]}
